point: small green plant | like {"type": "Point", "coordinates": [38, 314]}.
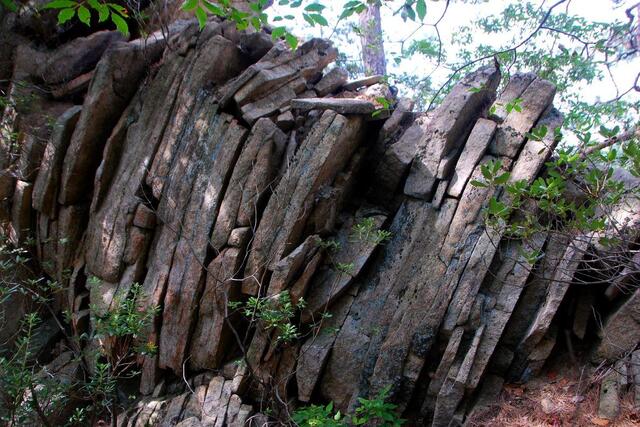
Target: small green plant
{"type": "Point", "coordinates": [330, 245]}
{"type": "Point", "coordinates": [29, 393]}
{"type": "Point", "coordinates": [376, 411]}
{"type": "Point", "coordinates": [345, 268]}
{"type": "Point", "coordinates": [318, 416]}
{"type": "Point", "coordinates": [513, 105]}
{"type": "Point", "coordinates": [538, 133]}
{"type": "Point", "coordinates": [385, 106]}
{"type": "Point", "coordinates": [123, 325]}
{"type": "Point", "coordinates": [275, 313]}
{"type": "Point", "coordinates": [365, 231]}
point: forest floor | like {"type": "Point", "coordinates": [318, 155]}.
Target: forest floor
{"type": "Point", "coordinates": [565, 394]}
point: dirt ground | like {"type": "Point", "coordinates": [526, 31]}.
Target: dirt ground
{"type": "Point", "coordinates": [565, 394]}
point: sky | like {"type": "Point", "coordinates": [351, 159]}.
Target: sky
{"type": "Point", "coordinates": [459, 13]}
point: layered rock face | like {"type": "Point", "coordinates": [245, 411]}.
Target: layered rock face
{"type": "Point", "coordinates": [215, 166]}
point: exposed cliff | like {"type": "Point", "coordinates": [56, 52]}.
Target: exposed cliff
{"type": "Point", "coordinates": [214, 166]}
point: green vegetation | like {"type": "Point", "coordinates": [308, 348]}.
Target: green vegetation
{"type": "Point", "coordinates": [366, 231]}
{"type": "Point", "coordinates": [274, 314]}
{"type": "Point", "coordinates": [376, 411]}
{"type": "Point", "coordinates": [96, 364]}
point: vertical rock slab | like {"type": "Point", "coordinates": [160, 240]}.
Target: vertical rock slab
{"type": "Point", "coordinates": [518, 83]}
{"type": "Point", "coordinates": [535, 153]}
{"type": "Point", "coordinates": [211, 337]}
{"type": "Point", "coordinates": [506, 285]}
{"type": "Point", "coordinates": [449, 127]}
{"type": "Point", "coordinates": [409, 258]}
{"type": "Point", "coordinates": [440, 375]}
{"type": "Point", "coordinates": [468, 214]}
{"type": "Point", "coordinates": [395, 162]}
{"type": "Point", "coordinates": [114, 83]}
{"type": "Point", "coordinates": [511, 134]}
{"type": "Point", "coordinates": [314, 352]}
{"type": "Point", "coordinates": [323, 154]}
{"type": "Point", "coordinates": [45, 188]}
{"type": "Point", "coordinates": [21, 212]}
{"type": "Point", "coordinates": [540, 326]}
{"type": "Point", "coordinates": [329, 284]}
{"type": "Point", "coordinates": [253, 178]}
{"type": "Point", "coordinates": [473, 151]}
{"type": "Point", "coordinates": [454, 267]}
{"type": "Point", "coordinates": [453, 388]}
{"type": "Point", "coordinates": [119, 179]}
{"type": "Point", "coordinates": [203, 67]}
{"type": "Point", "coordinates": [196, 186]}
{"type": "Point", "coordinates": [620, 333]}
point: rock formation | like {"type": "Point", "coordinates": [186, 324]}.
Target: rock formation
{"type": "Point", "coordinates": [218, 165]}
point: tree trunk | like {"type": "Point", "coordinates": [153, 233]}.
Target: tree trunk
{"type": "Point", "coordinates": [371, 39]}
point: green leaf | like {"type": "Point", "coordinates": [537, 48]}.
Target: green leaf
{"type": "Point", "coordinates": [383, 101]}
{"type": "Point", "coordinates": [502, 179]}
{"type": "Point", "coordinates": [486, 172]}
{"type": "Point", "coordinates": [255, 7]}
{"type": "Point", "coordinates": [315, 7]}
{"type": "Point", "coordinates": [103, 10]}
{"type": "Point", "coordinates": [213, 8]}
{"type": "Point", "coordinates": [255, 22]}
{"type": "Point", "coordinates": [65, 15]}
{"type": "Point", "coordinates": [201, 15]}
{"type": "Point", "coordinates": [189, 5]}
{"type": "Point", "coordinates": [122, 11]}
{"type": "Point", "coordinates": [309, 19]}
{"type": "Point", "coordinates": [9, 5]}
{"type": "Point", "coordinates": [319, 19]}
{"type": "Point", "coordinates": [478, 184]}
{"type": "Point", "coordinates": [292, 41]}
{"type": "Point", "coordinates": [120, 23]}
{"type": "Point", "coordinates": [278, 32]}
{"type": "Point", "coordinates": [497, 208]}
{"type": "Point", "coordinates": [60, 4]}
{"type": "Point", "coordinates": [103, 13]}
{"type": "Point", "coordinates": [84, 16]}
{"type": "Point", "coordinates": [421, 9]}
{"type": "Point", "coordinates": [411, 14]}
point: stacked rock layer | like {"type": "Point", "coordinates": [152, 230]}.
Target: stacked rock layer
{"type": "Point", "coordinates": [215, 166]}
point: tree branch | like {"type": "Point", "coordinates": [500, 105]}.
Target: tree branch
{"type": "Point", "coordinates": [624, 136]}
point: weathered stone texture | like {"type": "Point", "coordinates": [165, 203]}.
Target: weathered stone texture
{"type": "Point", "coordinates": [228, 167]}
{"type": "Point", "coordinates": [449, 127]}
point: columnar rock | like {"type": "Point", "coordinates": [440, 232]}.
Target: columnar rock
{"type": "Point", "coordinates": [113, 85]}
{"type": "Point", "coordinates": [323, 154]}
{"type": "Point", "coordinates": [449, 129]}
{"type": "Point", "coordinates": [216, 166]}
